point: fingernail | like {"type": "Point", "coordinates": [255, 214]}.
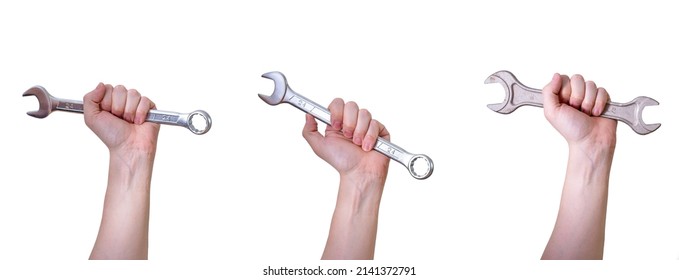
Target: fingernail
{"type": "Point", "coordinates": [357, 140]}
{"type": "Point", "coordinates": [337, 125]}
{"type": "Point", "coordinates": [348, 134]}
{"type": "Point", "coordinates": [367, 146]}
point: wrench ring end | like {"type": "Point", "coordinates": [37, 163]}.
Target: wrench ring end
{"type": "Point", "coordinates": [193, 128]}
{"type": "Point", "coordinates": [413, 172]}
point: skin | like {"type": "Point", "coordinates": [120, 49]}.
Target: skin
{"type": "Point", "coordinates": [347, 146]}
{"type": "Point", "coordinates": [573, 107]}
{"type": "Point", "coordinates": [116, 115]}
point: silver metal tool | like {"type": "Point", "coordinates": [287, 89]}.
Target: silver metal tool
{"type": "Point", "coordinates": [284, 94]}
{"type": "Point", "coordinates": [49, 103]}
{"type": "Point", "coordinates": [518, 95]}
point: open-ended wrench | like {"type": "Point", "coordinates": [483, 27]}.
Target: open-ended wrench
{"type": "Point", "coordinates": [518, 95]}
{"type": "Point", "coordinates": [284, 94]}
{"type": "Point", "coordinates": [49, 103]}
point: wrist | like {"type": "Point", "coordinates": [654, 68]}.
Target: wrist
{"type": "Point", "coordinates": [138, 158]}
{"type": "Point", "coordinates": [360, 194]}
{"type": "Point", "coordinates": [595, 152]}
{"type": "Point", "coordinates": [589, 167]}
{"type": "Point", "coordinates": [136, 148]}
{"type": "Point", "coordinates": [131, 170]}
{"type": "Point", "coordinates": [364, 178]}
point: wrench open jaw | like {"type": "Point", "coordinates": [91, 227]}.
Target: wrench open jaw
{"type": "Point", "coordinates": [280, 87]}
{"type": "Point", "coordinates": [517, 95]}
{"type": "Point", "coordinates": [511, 102]}
{"type": "Point", "coordinates": [45, 105]}
{"type": "Point", "coordinates": [637, 106]}
{"type": "Point", "coordinates": [420, 166]}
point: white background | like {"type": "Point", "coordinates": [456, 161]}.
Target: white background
{"type": "Point", "coordinates": [251, 194]}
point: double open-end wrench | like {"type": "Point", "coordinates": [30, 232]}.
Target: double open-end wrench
{"type": "Point", "coordinates": [284, 94]}
{"type": "Point", "coordinates": [49, 103]}
{"type": "Point", "coordinates": [518, 95]}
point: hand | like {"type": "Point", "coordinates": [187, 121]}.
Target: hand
{"type": "Point", "coordinates": [348, 143]}
{"type": "Point", "coordinates": [572, 106]}
{"type": "Point", "coordinates": [117, 116]}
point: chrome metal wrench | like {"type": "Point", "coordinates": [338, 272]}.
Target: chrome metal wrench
{"type": "Point", "coordinates": [518, 95]}
{"type": "Point", "coordinates": [284, 94]}
{"type": "Point", "coordinates": [49, 104]}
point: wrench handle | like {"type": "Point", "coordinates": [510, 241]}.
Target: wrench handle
{"type": "Point", "coordinates": [625, 112]}
{"type": "Point", "coordinates": [67, 105]}
{"type": "Point", "coordinates": [181, 119]}
{"type": "Point", "coordinates": [383, 146]}
{"type": "Point", "coordinates": [154, 116]}
{"type": "Point", "coordinates": [524, 95]}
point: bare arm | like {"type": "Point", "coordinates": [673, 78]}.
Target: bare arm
{"type": "Point", "coordinates": [353, 229]}
{"type": "Point", "coordinates": [117, 116]}
{"type": "Point", "coordinates": [572, 107]}
{"type": "Point", "coordinates": [347, 146]}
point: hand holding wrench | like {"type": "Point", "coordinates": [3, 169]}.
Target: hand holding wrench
{"type": "Point", "coordinates": [284, 94]}
{"type": "Point", "coordinates": [49, 103]}
{"type": "Point", "coordinates": [518, 95]}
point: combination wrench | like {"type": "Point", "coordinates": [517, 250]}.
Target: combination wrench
{"type": "Point", "coordinates": [284, 94]}
{"type": "Point", "coordinates": [49, 104]}
{"type": "Point", "coordinates": [518, 95]}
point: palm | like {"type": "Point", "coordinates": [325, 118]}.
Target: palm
{"type": "Point", "coordinates": [119, 134]}
{"type": "Point", "coordinates": [577, 127]}
{"type": "Point", "coordinates": [346, 157]}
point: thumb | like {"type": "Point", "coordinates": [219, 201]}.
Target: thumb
{"type": "Point", "coordinates": [550, 94]}
{"type": "Point", "coordinates": [311, 134]}
{"type": "Point", "coordinates": [92, 99]}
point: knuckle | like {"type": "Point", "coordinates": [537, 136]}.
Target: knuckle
{"type": "Point", "coordinates": [133, 93]}
{"type": "Point", "coordinates": [365, 113]}
{"type": "Point", "coordinates": [602, 91]}
{"type": "Point", "coordinates": [576, 100]}
{"type": "Point", "coordinates": [587, 105]}
{"type": "Point", "coordinates": [590, 84]}
{"type": "Point", "coordinates": [374, 123]}
{"type": "Point", "coordinates": [119, 88]}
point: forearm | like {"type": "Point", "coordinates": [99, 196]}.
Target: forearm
{"type": "Point", "coordinates": [353, 229]}
{"type": "Point", "coordinates": [580, 226]}
{"type": "Point", "coordinates": [123, 233]}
